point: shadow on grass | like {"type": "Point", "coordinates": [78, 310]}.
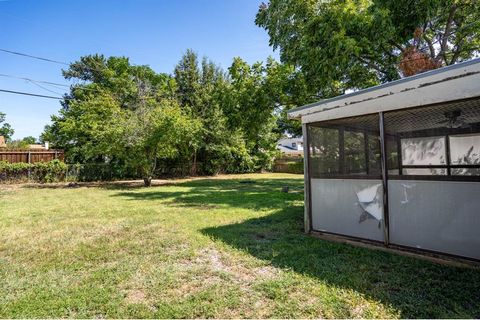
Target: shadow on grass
{"type": "Point", "coordinates": [259, 194]}
{"type": "Point", "coordinates": [417, 288]}
{"type": "Point", "coordinates": [114, 185]}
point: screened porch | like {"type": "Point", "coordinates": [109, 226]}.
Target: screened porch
{"type": "Point", "coordinates": [407, 178]}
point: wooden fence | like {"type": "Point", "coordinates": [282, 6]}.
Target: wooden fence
{"type": "Point", "coordinates": [31, 156]}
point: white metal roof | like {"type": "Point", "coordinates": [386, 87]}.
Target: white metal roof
{"type": "Point", "coordinates": [459, 81]}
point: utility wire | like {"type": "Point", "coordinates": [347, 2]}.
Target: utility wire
{"type": "Point", "coordinates": [34, 57]}
{"type": "Point", "coordinates": [44, 88]}
{"type": "Point", "coordinates": [47, 82]}
{"type": "Point", "coordinates": [32, 80]}
{"type": "Point", "coordinates": [30, 94]}
{"type": "Point", "coordinates": [38, 58]}
{"type": "Point", "coordinates": [44, 59]}
{"type": "Point", "coordinates": [51, 60]}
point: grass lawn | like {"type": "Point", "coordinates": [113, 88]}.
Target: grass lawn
{"type": "Point", "coordinates": [203, 248]}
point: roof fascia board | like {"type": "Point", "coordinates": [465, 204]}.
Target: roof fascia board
{"type": "Point", "coordinates": [464, 87]}
{"type": "Point", "coordinates": [390, 88]}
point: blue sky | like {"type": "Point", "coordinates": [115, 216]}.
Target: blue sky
{"type": "Point", "coordinates": [149, 32]}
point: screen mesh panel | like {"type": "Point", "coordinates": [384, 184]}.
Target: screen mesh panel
{"type": "Point", "coordinates": [345, 147]}
{"type": "Point", "coordinates": [434, 117]}
{"type": "Point", "coordinates": [439, 140]}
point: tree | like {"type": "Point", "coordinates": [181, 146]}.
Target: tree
{"type": "Point", "coordinates": [123, 115]}
{"type": "Point", "coordinates": [251, 104]}
{"type": "Point", "coordinates": [127, 83]}
{"type": "Point", "coordinates": [445, 31]}
{"type": "Point", "coordinates": [157, 130]}
{"type": "Point", "coordinates": [201, 91]}
{"type": "Point", "coordinates": [188, 77]}
{"type": "Point", "coordinates": [29, 140]}
{"type": "Point", "coordinates": [350, 44]}
{"type": "Point", "coordinates": [132, 118]}
{"type": "Point", "coordinates": [90, 129]}
{"type": "Point", "coordinates": [20, 144]}
{"type": "Point", "coordinates": [17, 144]}
{"type": "Point", "coordinates": [6, 129]}
{"type": "Point", "coordinates": [111, 86]}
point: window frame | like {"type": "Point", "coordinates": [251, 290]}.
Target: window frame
{"type": "Point", "coordinates": [341, 148]}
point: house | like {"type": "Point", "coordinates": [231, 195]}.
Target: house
{"type": "Point", "coordinates": [398, 164]}
{"type": "Point", "coordinates": [3, 143]}
{"type": "Point", "coordinates": [291, 146]}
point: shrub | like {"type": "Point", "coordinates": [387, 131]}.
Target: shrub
{"type": "Point", "coordinates": [53, 171]}
{"type": "Point", "coordinates": [42, 172]}
{"type": "Point", "coordinates": [288, 166]}
{"type": "Point", "coordinates": [295, 167]}
{"type": "Point", "coordinates": [14, 171]}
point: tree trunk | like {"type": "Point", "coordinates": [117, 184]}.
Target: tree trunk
{"type": "Point", "coordinates": [150, 171]}
{"type": "Point", "coordinates": [193, 170]}
{"type": "Point", "coordinates": [147, 181]}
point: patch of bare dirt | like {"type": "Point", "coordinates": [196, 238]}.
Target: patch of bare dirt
{"type": "Point", "coordinates": [220, 262]}
{"type": "Point", "coordinates": [136, 296]}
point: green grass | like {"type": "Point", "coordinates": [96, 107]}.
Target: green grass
{"type": "Point", "coordinates": [203, 248]}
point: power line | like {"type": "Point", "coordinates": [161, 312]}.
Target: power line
{"type": "Point", "coordinates": [34, 57]}
{"type": "Point", "coordinates": [37, 82]}
{"type": "Point", "coordinates": [52, 60]}
{"type": "Point", "coordinates": [30, 94]}
{"type": "Point", "coordinates": [46, 59]}
{"type": "Point", "coordinates": [44, 88]}
{"type": "Point", "coordinates": [32, 80]}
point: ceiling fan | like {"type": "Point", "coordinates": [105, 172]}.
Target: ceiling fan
{"type": "Point", "coordinates": [453, 120]}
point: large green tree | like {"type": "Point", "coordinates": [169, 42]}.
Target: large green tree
{"type": "Point", "coordinates": [122, 115]}
{"type": "Point", "coordinates": [107, 85]}
{"type": "Point", "coordinates": [89, 129]}
{"type": "Point", "coordinates": [350, 44]}
{"type": "Point", "coordinates": [201, 91]}
{"type": "Point", "coordinates": [253, 103]}
{"type": "Point", "coordinates": [213, 121]}
{"type": "Point", "coordinates": [154, 131]}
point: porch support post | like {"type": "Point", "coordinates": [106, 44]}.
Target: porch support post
{"type": "Point", "coordinates": [306, 173]}
{"type": "Point", "coordinates": [383, 152]}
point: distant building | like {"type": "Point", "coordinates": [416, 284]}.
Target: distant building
{"type": "Point", "coordinates": [291, 146]}
{"type": "Point", "coordinates": [38, 146]}
{"type": "Point", "coordinates": [3, 144]}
